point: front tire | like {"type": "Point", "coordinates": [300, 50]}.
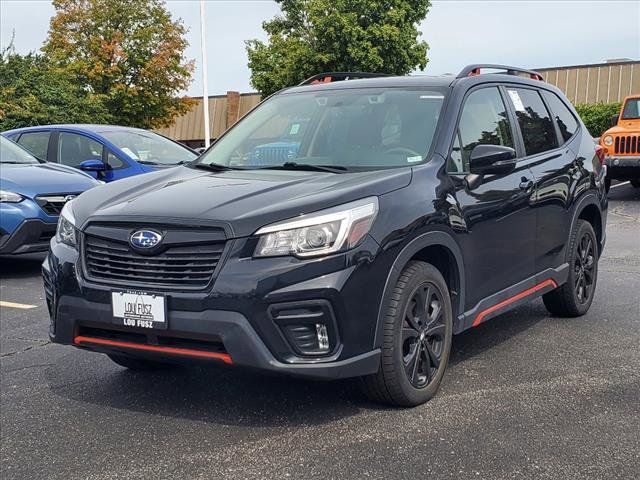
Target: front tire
{"type": "Point", "coordinates": [574, 298]}
{"type": "Point", "coordinates": [418, 327]}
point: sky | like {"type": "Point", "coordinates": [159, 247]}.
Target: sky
{"type": "Point", "coordinates": [532, 34]}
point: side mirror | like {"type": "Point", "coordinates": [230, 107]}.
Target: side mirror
{"type": "Point", "coordinates": [93, 165]}
{"type": "Point", "coordinates": [492, 160]}
{"type": "Point", "coordinates": [614, 120]}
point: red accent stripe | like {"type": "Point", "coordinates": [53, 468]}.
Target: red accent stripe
{"type": "Point", "coordinates": [225, 357]}
{"type": "Point", "coordinates": [481, 316]}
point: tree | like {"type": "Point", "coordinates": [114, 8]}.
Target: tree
{"type": "Point", "coordinates": [128, 52]}
{"type": "Point", "coordinates": [314, 36]}
{"type": "Point", "coordinates": [597, 116]}
{"type": "Point", "coordinates": [32, 92]}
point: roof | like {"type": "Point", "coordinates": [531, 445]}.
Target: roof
{"type": "Point", "coordinates": [81, 127]}
{"type": "Point", "coordinates": [402, 81]}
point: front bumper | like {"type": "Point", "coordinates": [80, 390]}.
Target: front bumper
{"type": "Point", "coordinates": [32, 235]}
{"type": "Point", "coordinates": [237, 321]}
{"type": "Point", "coordinates": [623, 167]}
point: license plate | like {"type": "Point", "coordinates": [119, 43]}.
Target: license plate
{"type": "Point", "coordinates": [139, 309]}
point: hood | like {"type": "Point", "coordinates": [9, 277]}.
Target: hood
{"type": "Point", "coordinates": [43, 178]}
{"type": "Point", "coordinates": [624, 127]}
{"type": "Point", "coordinates": [243, 200]}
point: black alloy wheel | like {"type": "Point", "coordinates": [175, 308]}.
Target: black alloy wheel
{"type": "Point", "coordinates": [584, 265]}
{"type": "Point", "coordinates": [423, 335]}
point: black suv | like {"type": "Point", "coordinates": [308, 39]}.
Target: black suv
{"type": "Point", "coordinates": [341, 229]}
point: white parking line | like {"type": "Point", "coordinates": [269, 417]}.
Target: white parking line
{"type": "Point", "coordinates": [21, 306]}
{"type": "Point", "coordinates": [619, 184]}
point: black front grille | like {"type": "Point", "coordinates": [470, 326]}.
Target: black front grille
{"type": "Point", "coordinates": [52, 204]}
{"type": "Point", "coordinates": [629, 144]}
{"type": "Point", "coordinates": [191, 266]}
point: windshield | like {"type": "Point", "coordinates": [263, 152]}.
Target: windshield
{"type": "Point", "coordinates": [631, 109]}
{"type": "Point", "coordinates": [354, 129]}
{"type": "Point", "coordinates": [12, 153]}
{"type": "Point", "coordinates": [149, 147]}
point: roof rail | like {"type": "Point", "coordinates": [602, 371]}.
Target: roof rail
{"type": "Point", "coordinates": [329, 77]}
{"type": "Point", "coordinates": [474, 69]}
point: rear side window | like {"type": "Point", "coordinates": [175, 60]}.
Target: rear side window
{"type": "Point", "coordinates": [73, 149]}
{"type": "Point", "coordinates": [535, 123]}
{"type": "Point", "coordinates": [483, 121]}
{"type": "Point", "coordinates": [565, 120]}
{"type": "Point", "coordinates": [36, 142]}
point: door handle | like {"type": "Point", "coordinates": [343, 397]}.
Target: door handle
{"type": "Point", "coordinates": [526, 184]}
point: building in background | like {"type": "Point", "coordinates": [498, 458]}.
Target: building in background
{"type": "Point", "coordinates": [607, 82]}
{"type": "Point", "coordinates": [600, 82]}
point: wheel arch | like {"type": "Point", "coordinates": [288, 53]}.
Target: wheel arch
{"type": "Point", "coordinates": [440, 250]}
{"type": "Point", "coordinates": [588, 208]}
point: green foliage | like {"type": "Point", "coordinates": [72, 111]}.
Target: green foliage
{"type": "Point", "coordinates": [129, 53]}
{"type": "Point", "coordinates": [32, 92]}
{"type": "Point", "coordinates": [597, 116]}
{"type": "Point", "coordinates": [314, 36]}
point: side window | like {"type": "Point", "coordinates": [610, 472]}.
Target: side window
{"type": "Point", "coordinates": [534, 120]}
{"type": "Point", "coordinates": [73, 149]}
{"type": "Point", "coordinates": [567, 123]}
{"type": "Point", "coordinates": [36, 142]}
{"type": "Point", "coordinates": [113, 161]}
{"type": "Point", "coordinates": [484, 120]}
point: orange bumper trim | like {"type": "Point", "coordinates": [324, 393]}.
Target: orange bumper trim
{"type": "Point", "coordinates": [225, 357]}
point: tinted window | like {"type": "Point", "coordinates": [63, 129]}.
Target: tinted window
{"type": "Point", "coordinates": [73, 149]}
{"type": "Point", "coordinates": [535, 122]}
{"type": "Point", "coordinates": [36, 142]}
{"type": "Point", "coordinates": [567, 123]}
{"type": "Point", "coordinates": [113, 161]}
{"type": "Point", "coordinates": [12, 153]}
{"type": "Point", "coordinates": [350, 128]}
{"type": "Point", "coordinates": [483, 121]}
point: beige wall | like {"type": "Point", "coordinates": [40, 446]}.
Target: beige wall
{"type": "Point", "coordinates": [607, 82]}
{"type": "Point", "coordinates": [190, 127]}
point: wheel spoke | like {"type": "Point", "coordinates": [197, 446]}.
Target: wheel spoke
{"type": "Point", "coordinates": [437, 310]}
{"type": "Point", "coordinates": [435, 331]}
{"type": "Point", "coordinates": [434, 360]}
{"type": "Point", "coordinates": [409, 333]}
{"type": "Point", "coordinates": [410, 316]}
{"type": "Point", "coordinates": [416, 363]}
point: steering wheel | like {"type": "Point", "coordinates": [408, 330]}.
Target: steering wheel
{"type": "Point", "coordinates": [413, 153]}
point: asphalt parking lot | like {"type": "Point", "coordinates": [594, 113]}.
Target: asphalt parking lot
{"type": "Point", "coordinates": [525, 396]}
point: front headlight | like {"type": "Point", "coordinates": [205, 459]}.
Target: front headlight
{"type": "Point", "coordinates": [66, 231]}
{"type": "Point", "coordinates": [319, 233]}
{"type": "Point", "coordinates": [10, 197]}
{"type": "Point", "coordinates": [608, 140]}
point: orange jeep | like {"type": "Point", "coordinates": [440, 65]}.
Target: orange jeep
{"type": "Point", "coordinates": [622, 144]}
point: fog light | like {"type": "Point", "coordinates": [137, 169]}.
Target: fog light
{"type": "Point", "coordinates": [323, 337]}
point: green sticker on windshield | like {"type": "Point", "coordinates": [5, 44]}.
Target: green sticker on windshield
{"type": "Point", "coordinates": [294, 129]}
{"type": "Point", "coordinates": [414, 159]}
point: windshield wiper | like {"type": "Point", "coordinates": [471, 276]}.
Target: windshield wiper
{"type": "Point", "coordinates": [308, 167]}
{"type": "Point", "coordinates": [214, 167]}
{"type": "Point", "coordinates": [147, 162]}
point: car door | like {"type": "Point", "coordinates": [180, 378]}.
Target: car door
{"type": "Point", "coordinates": [546, 140]}
{"type": "Point", "coordinates": [495, 220]}
{"type": "Point", "coordinates": [74, 148]}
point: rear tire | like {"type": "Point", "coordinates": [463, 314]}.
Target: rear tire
{"type": "Point", "coordinates": [418, 327]}
{"type": "Point", "coordinates": [138, 364]}
{"type": "Point", "coordinates": [574, 298]}
{"type": "Point", "coordinates": [635, 182]}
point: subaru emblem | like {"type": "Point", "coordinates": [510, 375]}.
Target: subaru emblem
{"type": "Point", "coordinates": [68, 198]}
{"type": "Point", "coordinates": [145, 239]}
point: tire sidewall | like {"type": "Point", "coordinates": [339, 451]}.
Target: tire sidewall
{"type": "Point", "coordinates": [582, 228]}
{"type": "Point", "coordinates": [424, 273]}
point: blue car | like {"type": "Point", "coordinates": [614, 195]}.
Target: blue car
{"type": "Point", "coordinates": [106, 152]}
{"type": "Point", "coordinates": [32, 194]}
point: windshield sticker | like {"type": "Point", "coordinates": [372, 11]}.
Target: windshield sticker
{"type": "Point", "coordinates": [295, 128]}
{"type": "Point", "coordinates": [517, 102]}
{"type": "Point", "coordinates": [414, 159]}
{"type": "Point", "coordinates": [130, 153]}
{"type": "Point", "coordinates": [438, 97]}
